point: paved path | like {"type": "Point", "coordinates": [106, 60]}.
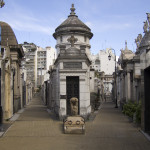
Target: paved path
{"type": "Point", "coordinates": [35, 129]}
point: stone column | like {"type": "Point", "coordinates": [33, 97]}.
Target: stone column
{"type": "Point", "coordinates": [21, 89]}
{"type": "Point", "coordinates": [7, 108]}
{"type": "Point", "coordinates": [125, 87]}
{"type": "Point", "coordinates": [128, 86]}
{"type": "Point", "coordinates": [63, 108]}
{"type": "Point", "coordinates": [17, 104]}
{"type": "Point", "coordinates": [85, 107]}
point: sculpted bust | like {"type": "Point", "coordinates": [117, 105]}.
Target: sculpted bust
{"type": "Point", "coordinates": [74, 106]}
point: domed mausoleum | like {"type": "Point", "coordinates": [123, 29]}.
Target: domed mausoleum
{"type": "Point", "coordinates": [73, 25]}
{"type": "Point", "coordinates": [70, 76]}
{"type": "Point", "coordinates": [10, 58]}
{"type": "Point", "coordinates": [8, 36]}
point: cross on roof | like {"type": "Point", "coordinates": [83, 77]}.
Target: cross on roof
{"type": "Point", "coordinates": [72, 40]}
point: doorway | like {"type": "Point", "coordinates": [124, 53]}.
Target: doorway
{"type": "Point", "coordinates": [72, 90]}
{"type": "Point", "coordinates": [147, 99]}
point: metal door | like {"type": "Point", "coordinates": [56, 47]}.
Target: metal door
{"type": "Point", "coordinates": [72, 91]}
{"type": "Point", "coordinates": [147, 99]}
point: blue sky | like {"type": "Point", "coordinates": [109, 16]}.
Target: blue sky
{"type": "Point", "coordinates": [111, 21]}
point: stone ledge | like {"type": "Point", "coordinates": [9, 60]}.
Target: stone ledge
{"type": "Point", "coordinates": [145, 134]}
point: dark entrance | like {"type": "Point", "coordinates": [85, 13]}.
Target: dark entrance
{"type": "Point", "coordinates": [1, 111]}
{"type": "Point", "coordinates": [147, 99]}
{"type": "Point", "coordinates": [72, 91]}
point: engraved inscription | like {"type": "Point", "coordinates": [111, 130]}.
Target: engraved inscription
{"type": "Point", "coordinates": [72, 65]}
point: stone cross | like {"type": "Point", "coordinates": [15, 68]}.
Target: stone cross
{"type": "Point", "coordinates": [72, 40]}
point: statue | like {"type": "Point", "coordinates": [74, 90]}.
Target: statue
{"type": "Point", "coordinates": [74, 106]}
{"type": "Point", "coordinates": [138, 40]}
{"type": "Point", "coordinates": [148, 18]}
{"type": "Point", "coordinates": [74, 123]}
{"type": "Point", "coordinates": [145, 27]}
{"type": "Point", "coordinates": [2, 3]}
{"type": "Point", "coordinates": [137, 43]}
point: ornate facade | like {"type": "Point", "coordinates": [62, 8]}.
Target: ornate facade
{"type": "Point", "coordinates": [11, 85]}
{"type": "Point", "coordinates": [134, 76]}
{"type": "Point", "coordinates": [70, 75]}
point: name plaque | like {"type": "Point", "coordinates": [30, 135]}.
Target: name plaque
{"type": "Point", "coordinates": [63, 96]}
{"type": "Point", "coordinates": [72, 65]}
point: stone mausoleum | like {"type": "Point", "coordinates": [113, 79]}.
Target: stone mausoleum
{"type": "Point", "coordinates": [71, 76]}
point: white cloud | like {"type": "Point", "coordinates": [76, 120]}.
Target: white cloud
{"type": "Point", "coordinates": [31, 27]}
{"type": "Point", "coordinates": [26, 21]}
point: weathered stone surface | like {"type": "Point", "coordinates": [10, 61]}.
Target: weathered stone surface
{"type": "Point", "coordinates": [74, 124]}
{"type": "Point", "coordinates": [8, 36]}
{"type": "Point", "coordinates": [74, 106]}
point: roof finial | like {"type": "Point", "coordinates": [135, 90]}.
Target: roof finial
{"type": "Point", "coordinates": [72, 10]}
{"type": "Point", "coordinates": [126, 45]}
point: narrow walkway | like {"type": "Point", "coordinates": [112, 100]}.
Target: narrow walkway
{"type": "Point", "coordinates": [35, 121]}
{"type": "Point", "coordinates": [37, 130]}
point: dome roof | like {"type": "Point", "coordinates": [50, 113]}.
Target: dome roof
{"type": "Point", "coordinates": [7, 35]}
{"type": "Point", "coordinates": [72, 25]}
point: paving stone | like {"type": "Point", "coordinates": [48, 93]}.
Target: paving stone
{"type": "Point", "coordinates": [37, 129]}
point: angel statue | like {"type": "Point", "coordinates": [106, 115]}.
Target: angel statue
{"type": "Point", "coordinates": [137, 42]}
{"type": "Point", "coordinates": [139, 38]}
{"type": "Point", "coordinates": [145, 26]}
{"type": "Point", "coordinates": [148, 18]}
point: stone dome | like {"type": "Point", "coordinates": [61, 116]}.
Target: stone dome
{"type": "Point", "coordinates": [73, 25]}
{"type": "Point", "coordinates": [7, 35]}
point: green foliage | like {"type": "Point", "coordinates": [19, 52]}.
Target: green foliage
{"type": "Point", "coordinates": [129, 108]}
{"type": "Point", "coordinates": [138, 112]}
{"type": "Point", "coordinates": [132, 108]}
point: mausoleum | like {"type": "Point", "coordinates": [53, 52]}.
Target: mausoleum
{"type": "Point", "coordinates": [70, 76]}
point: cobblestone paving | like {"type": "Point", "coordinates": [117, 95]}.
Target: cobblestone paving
{"type": "Point", "coordinates": [36, 129]}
